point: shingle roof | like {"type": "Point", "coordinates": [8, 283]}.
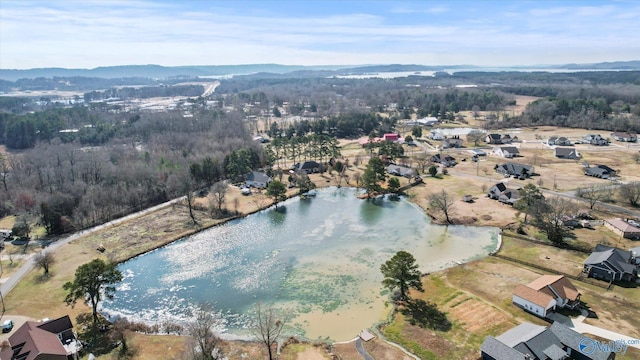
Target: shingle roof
{"type": "Point", "coordinates": [34, 341]}
{"type": "Point", "coordinates": [560, 151]}
{"type": "Point", "coordinates": [560, 284]}
{"type": "Point", "coordinates": [572, 339]}
{"type": "Point", "coordinates": [623, 225]}
{"type": "Point", "coordinates": [534, 296]}
{"type": "Point", "coordinates": [499, 351]}
{"type": "Point", "coordinates": [521, 333]}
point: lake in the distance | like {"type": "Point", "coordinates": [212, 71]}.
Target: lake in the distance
{"type": "Point", "coordinates": [319, 258]}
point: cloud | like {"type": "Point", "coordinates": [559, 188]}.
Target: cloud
{"type": "Point", "coordinates": [97, 33]}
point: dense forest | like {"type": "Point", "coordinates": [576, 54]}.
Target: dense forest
{"type": "Point", "coordinates": [72, 166]}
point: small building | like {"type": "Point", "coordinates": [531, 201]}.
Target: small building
{"type": "Point", "coordinates": [478, 152]}
{"type": "Point", "coordinates": [546, 294]}
{"type": "Point", "coordinates": [257, 179]}
{"type": "Point", "coordinates": [307, 167]}
{"type": "Point", "coordinates": [506, 151]}
{"type": "Point", "coordinates": [534, 342]}
{"type": "Point", "coordinates": [51, 340]}
{"type": "Point", "coordinates": [623, 228]}
{"type": "Point", "coordinates": [391, 137]}
{"type": "Point", "coordinates": [427, 121]}
{"type": "Point", "coordinates": [600, 171]}
{"type": "Point", "coordinates": [624, 136]}
{"type": "Point", "coordinates": [566, 153]}
{"type": "Point", "coordinates": [400, 170]}
{"type": "Point", "coordinates": [611, 264]}
{"type": "Point", "coordinates": [515, 169]}
{"type": "Point", "coordinates": [436, 135]}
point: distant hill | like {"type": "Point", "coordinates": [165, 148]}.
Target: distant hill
{"type": "Point", "coordinates": [615, 65]}
{"type": "Point", "coordinates": [171, 72]}
{"type": "Point", "coordinates": [156, 71]}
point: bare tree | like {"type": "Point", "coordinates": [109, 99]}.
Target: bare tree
{"type": "Point", "coordinates": [591, 194]}
{"type": "Point", "coordinates": [44, 260]}
{"type": "Point", "coordinates": [442, 202]}
{"type": "Point", "coordinates": [201, 329]}
{"type": "Point", "coordinates": [631, 193]}
{"type": "Point", "coordinates": [268, 324]}
{"type": "Point", "coordinates": [548, 216]}
{"type": "Point", "coordinates": [219, 192]}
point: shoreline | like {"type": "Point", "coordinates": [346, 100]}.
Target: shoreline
{"type": "Point", "coordinates": [302, 337]}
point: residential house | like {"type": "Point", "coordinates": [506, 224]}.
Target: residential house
{"type": "Point", "coordinates": [623, 228]}
{"type": "Point", "coordinates": [514, 169]}
{"type": "Point", "coordinates": [625, 136]}
{"type": "Point", "coordinates": [558, 141]}
{"type": "Point", "coordinates": [611, 264]}
{"type": "Point", "coordinates": [566, 153]}
{"type": "Point", "coordinates": [594, 139]}
{"type": "Point", "coordinates": [453, 142]}
{"type": "Point", "coordinates": [307, 167]}
{"type": "Point", "coordinates": [400, 170]}
{"type": "Point", "coordinates": [534, 342]}
{"type": "Point", "coordinates": [506, 151]}
{"type": "Point", "coordinates": [50, 340]}
{"type": "Point", "coordinates": [497, 189]}
{"type": "Point", "coordinates": [257, 179]}
{"type": "Point", "coordinates": [546, 294]}
{"type": "Point", "coordinates": [495, 139]}
{"type": "Point", "coordinates": [509, 196]}
{"type": "Point", "coordinates": [445, 160]}
{"type": "Point", "coordinates": [635, 253]}
{"type": "Point", "coordinates": [600, 171]}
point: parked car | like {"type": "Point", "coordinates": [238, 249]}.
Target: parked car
{"type": "Point", "coordinates": [7, 326]}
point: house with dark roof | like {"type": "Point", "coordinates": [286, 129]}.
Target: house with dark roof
{"type": "Point", "coordinates": [400, 170]}
{"type": "Point", "coordinates": [566, 153]}
{"type": "Point", "coordinates": [257, 179]}
{"type": "Point", "coordinates": [600, 171]}
{"type": "Point", "coordinates": [445, 160]}
{"type": "Point", "coordinates": [307, 167]}
{"type": "Point", "coordinates": [509, 196]}
{"type": "Point", "coordinates": [495, 191]}
{"type": "Point", "coordinates": [611, 264]}
{"type": "Point", "coordinates": [535, 342]}
{"type": "Point", "coordinates": [624, 136]}
{"type": "Point", "coordinates": [50, 340]}
{"type": "Point", "coordinates": [506, 151]}
{"type": "Point", "coordinates": [546, 294]}
{"type": "Point", "coordinates": [498, 139]}
{"type": "Point", "coordinates": [623, 228]}
{"type": "Point", "coordinates": [515, 169]}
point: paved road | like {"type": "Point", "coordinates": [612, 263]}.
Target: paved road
{"type": "Point", "coordinates": [13, 280]}
{"type": "Point", "coordinates": [360, 348]}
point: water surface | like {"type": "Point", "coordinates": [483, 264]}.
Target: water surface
{"type": "Point", "coordinates": [319, 258]}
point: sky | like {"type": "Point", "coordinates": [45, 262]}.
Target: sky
{"type": "Point", "coordinates": [89, 34]}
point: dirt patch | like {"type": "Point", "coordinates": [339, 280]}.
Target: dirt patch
{"type": "Point", "coordinates": [380, 350]}
{"type": "Point", "coordinates": [475, 315]}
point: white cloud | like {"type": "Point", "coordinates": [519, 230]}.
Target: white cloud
{"type": "Point", "coordinates": [80, 34]}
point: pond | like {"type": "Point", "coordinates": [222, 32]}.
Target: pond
{"type": "Point", "coordinates": [318, 257]}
